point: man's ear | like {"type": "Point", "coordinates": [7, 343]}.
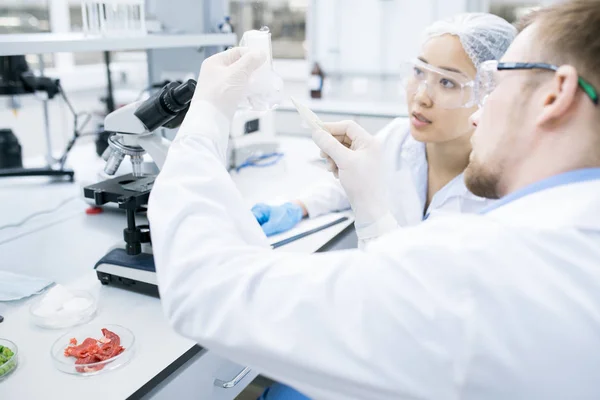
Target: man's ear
{"type": "Point", "coordinates": [561, 97]}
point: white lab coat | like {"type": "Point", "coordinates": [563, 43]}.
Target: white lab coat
{"type": "Point", "coordinates": [406, 167]}
{"type": "Point", "coordinates": [504, 305]}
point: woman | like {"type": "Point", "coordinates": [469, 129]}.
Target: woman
{"type": "Point", "coordinates": [427, 153]}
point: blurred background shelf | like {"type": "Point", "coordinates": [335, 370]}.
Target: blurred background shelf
{"type": "Point", "coordinates": [40, 43]}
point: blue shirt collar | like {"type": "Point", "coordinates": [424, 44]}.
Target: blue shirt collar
{"type": "Point", "coordinates": [576, 176]}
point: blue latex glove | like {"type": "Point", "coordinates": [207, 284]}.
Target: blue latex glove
{"type": "Point", "coordinates": [277, 219]}
{"type": "Point", "coordinates": [281, 392]}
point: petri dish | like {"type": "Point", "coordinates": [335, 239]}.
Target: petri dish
{"type": "Point", "coordinates": [67, 364]}
{"type": "Point", "coordinates": [65, 317]}
{"type": "Point", "coordinates": [8, 366]}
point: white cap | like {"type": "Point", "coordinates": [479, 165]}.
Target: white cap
{"type": "Point", "coordinates": [483, 36]}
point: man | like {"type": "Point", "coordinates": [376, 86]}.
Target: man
{"type": "Point", "coordinates": [504, 305]}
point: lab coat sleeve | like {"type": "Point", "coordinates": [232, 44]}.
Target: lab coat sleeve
{"type": "Point", "coordinates": [338, 325]}
{"type": "Point", "coordinates": [368, 233]}
{"type": "Point", "coordinates": [327, 197]}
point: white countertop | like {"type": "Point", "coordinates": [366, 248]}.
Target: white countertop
{"type": "Point", "coordinates": [376, 108]}
{"type": "Point", "coordinates": [64, 246]}
{"type": "Point", "coordinates": [38, 43]}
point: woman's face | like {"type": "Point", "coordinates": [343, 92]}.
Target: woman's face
{"type": "Point", "coordinates": [431, 122]}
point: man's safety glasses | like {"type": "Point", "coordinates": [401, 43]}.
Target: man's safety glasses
{"type": "Point", "coordinates": [487, 78]}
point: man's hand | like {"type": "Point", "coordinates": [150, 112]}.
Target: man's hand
{"type": "Point", "coordinates": [224, 78]}
{"type": "Point", "coordinates": [354, 156]}
{"type": "Point", "coordinates": [342, 138]}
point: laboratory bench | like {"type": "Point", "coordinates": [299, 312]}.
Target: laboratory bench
{"type": "Point", "coordinates": [373, 114]}
{"type": "Point", "coordinates": [63, 245]}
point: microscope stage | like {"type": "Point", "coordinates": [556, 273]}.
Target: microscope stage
{"type": "Point", "coordinates": [127, 190]}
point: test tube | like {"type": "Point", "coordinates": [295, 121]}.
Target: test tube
{"type": "Point", "coordinates": [93, 22]}
{"type": "Point", "coordinates": [97, 7]}
{"type": "Point", "coordinates": [101, 16]}
{"type": "Point", "coordinates": [114, 17]}
{"type": "Point", "coordinates": [127, 12]}
{"type": "Point", "coordinates": [111, 17]}
{"type": "Point", "coordinates": [123, 18]}
{"type": "Point", "coordinates": [84, 17]}
{"type": "Point", "coordinates": [119, 17]}
{"type": "Point", "coordinates": [135, 18]}
{"type": "Point", "coordinates": [142, 16]}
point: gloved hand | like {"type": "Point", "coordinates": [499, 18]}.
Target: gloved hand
{"type": "Point", "coordinates": [224, 78]}
{"type": "Point", "coordinates": [331, 165]}
{"type": "Point", "coordinates": [277, 219]}
{"type": "Point", "coordinates": [358, 167]}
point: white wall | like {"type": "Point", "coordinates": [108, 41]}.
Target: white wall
{"type": "Point", "coordinates": [372, 36]}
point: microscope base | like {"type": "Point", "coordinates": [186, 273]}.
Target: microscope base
{"type": "Point", "coordinates": [135, 273]}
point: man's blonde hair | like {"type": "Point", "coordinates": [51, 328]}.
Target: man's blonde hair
{"type": "Point", "coordinates": [569, 33]}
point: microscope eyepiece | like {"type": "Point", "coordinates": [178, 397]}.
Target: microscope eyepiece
{"type": "Point", "coordinates": [165, 105]}
{"type": "Point", "coordinates": [183, 93]}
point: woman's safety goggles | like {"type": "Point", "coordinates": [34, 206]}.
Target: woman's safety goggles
{"type": "Point", "coordinates": [446, 89]}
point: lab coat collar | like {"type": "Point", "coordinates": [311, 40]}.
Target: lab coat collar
{"type": "Point", "coordinates": [414, 155]}
{"type": "Point", "coordinates": [570, 199]}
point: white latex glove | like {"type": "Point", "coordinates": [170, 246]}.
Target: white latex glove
{"type": "Point", "coordinates": [360, 171]}
{"type": "Point", "coordinates": [331, 165]}
{"type": "Point", "coordinates": [224, 78]}
{"type": "Point", "coordinates": [222, 84]}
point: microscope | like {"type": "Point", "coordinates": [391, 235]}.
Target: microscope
{"type": "Point", "coordinates": [135, 132]}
